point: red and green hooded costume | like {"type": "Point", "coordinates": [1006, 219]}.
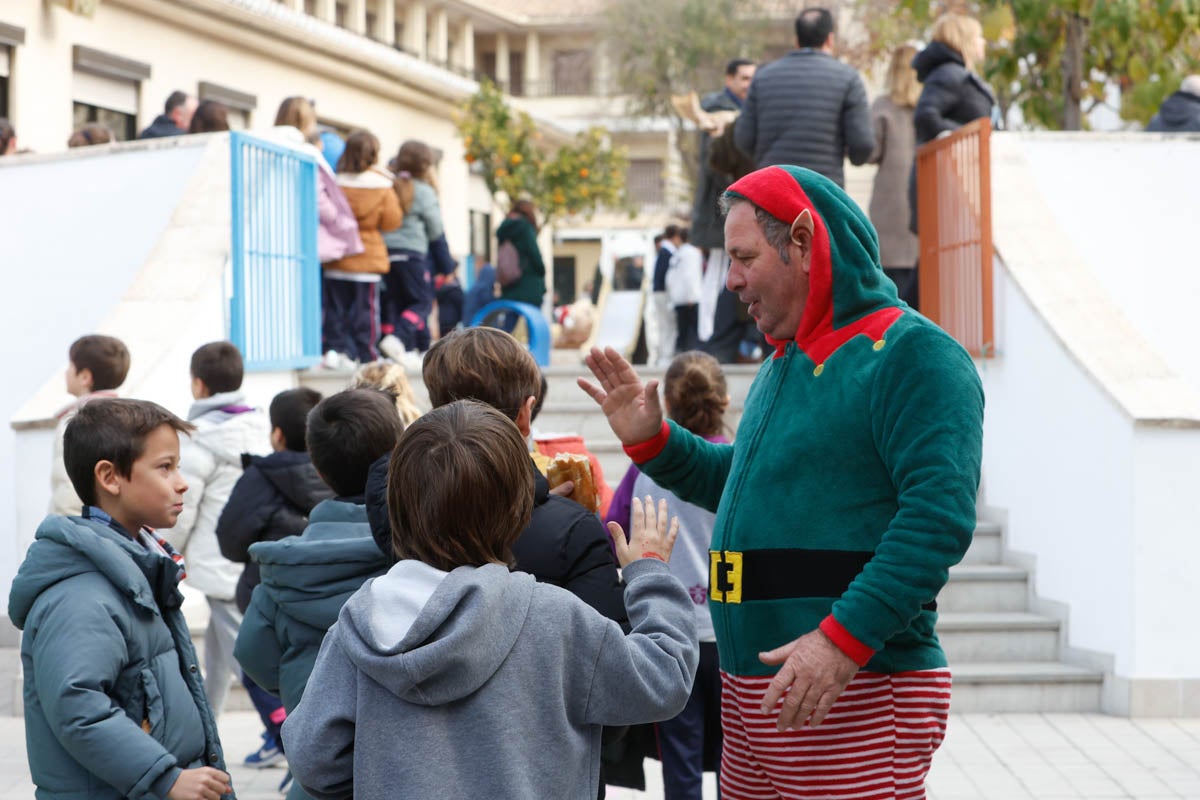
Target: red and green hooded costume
{"type": "Point", "coordinates": [850, 489]}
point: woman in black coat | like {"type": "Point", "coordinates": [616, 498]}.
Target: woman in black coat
{"type": "Point", "coordinates": [952, 94]}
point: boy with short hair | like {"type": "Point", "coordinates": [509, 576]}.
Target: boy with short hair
{"type": "Point", "coordinates": [98, 366]}
{"type": "Point", "coordinates": [306, 579]}
{"type": "Point", "coordinates": [271, 501]}
{"type": "Point", "coordinates": [114, 705]}
{"type": "Point", "coordinates": [212, 463]}
{"type": "Point", "coordinates": [452, 673]}
{"type": "Point", "coordinates": [564, 543]}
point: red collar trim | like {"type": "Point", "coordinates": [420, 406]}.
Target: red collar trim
{"type": "Point", "coordinates": [821, 347]}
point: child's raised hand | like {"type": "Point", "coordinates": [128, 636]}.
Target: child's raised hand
{"type": "Point", "coordinates": [202, 783]}
{"type": "Point", "coordinates": [650, 536]}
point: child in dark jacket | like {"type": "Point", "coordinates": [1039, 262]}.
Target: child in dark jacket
{"type": "Point", "coordinates": [307, 578]}
{"type": "Point", "coordinates": [271, 501]}
{"type": "Point", "coordinates": [453, 674]}
{"type": "Point", "coordinates": [114, 704]}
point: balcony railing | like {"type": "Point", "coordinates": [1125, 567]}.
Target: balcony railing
{"type": "Point", "coordinates": [275, 304]}
{"type": "Point", "coordinates": [954, 215]}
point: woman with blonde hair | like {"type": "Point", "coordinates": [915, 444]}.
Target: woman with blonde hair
{"type": "Point", "coordinates": [895, 148]}
{"type": "Point", "coordinates": [392, 379]}
{"type": "Point", "coordinates": [952, 94]}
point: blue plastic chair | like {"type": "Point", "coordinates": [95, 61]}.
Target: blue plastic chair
{"type": "Point", "coordinates": [539, 329]}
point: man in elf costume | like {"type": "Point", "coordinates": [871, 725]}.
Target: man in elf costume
{"type": "Point", "coordinates": [847, 496]}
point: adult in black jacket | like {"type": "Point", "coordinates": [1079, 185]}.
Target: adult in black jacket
{"type": "Point", "coordinates": [176, 118]}
{"type": "Point", "coordinates": [564, 544]}
{"type": "Point", "coordinates": [807, 108]}
{"type": "Point", "coordinates": [952, 94]}
{"type": "Point", "coordinates": [1180, 112]}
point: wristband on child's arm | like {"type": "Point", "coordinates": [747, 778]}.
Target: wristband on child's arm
{"type": "Point", "coordinates": [652, 554]}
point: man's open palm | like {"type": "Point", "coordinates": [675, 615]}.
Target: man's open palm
{"type": "Point", "coordinates": [633, 410]}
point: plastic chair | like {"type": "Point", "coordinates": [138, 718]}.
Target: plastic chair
{"type": "Point", "coordinates": [539, 329]}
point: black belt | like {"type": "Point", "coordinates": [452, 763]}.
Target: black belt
{"type": "Point", "coordinates": [784, 574]}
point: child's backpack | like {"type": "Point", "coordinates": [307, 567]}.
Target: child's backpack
{"type": "Point", "coordinates": [508, 265]}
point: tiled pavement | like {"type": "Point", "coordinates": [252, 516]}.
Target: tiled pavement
{"type": "Point", "coordinates": [988, 756]}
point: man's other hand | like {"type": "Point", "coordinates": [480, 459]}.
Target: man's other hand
{"type": "Point", "coordinates": [815, 673]}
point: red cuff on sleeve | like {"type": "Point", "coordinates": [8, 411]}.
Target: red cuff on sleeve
{"type": "Point", "coordinates": [845, 641]}
{"type": "Point", "coordinates": [644, 451]}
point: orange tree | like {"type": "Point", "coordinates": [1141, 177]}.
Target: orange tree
{"type": "Point", "coordinates": [505, 146]}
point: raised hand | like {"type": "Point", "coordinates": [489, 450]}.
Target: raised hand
{"type": "Point", "coordinates": [633, 410]}
{"type": "Point", "coordinates": [650, 536]}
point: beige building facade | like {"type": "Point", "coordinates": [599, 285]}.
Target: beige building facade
{"type": "Point", "coordinates": [394, 67]}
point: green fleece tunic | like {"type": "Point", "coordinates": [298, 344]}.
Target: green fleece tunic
{"type": "Point", "coordinates": [850, 489]}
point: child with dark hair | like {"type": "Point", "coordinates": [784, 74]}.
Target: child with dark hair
{"type": "Point", "coordinates": [452, 673]}
{"type": "Point", "coordinates": [114, 705]}
{"type": "Point", "coordinates": [97, 368]}
{"type": "Point", "coordinates": [306, 579]}
{"type": "Point", "coordinates": [226, 427]}
{"type": "Point", "coordinates": [271, 501]}
{"type": "Point", "coordinates": [350, 285]}
{"type": "Point", "coordinates": [695, 396]}
{"type": "Point", "coordinates": [417, 252]}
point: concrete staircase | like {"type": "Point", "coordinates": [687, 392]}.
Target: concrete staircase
{"type": "Point", "coordinates": [1004, 657]}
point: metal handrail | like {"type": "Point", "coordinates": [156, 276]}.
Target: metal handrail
{"type": "Point", "coordinates": [275, 298]}
{"type": "Point", "coordinates": [954, 216]}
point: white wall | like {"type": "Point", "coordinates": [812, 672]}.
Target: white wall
{"type": "Point", "coordinates": [1058, 457]}
{"type": "Point", "coordinates": [167, 298]}
{"type": "Point", "coordinates": [1129, 205]}
{"type": "Point", "coordinates": [1092, 440]}
{"type": "Point", "coordinates": [75, 232]}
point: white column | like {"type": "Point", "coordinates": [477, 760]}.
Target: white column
{"type": "Point", "coordinates": [502, 75]}
{"type": "Point", "coordinates": [356, 17]}
{"type": "Point", "coordinates": [295, 5]}
{"type": "Point", "coordinates": [466, 38]}
{"type": "Point", "coordinates": [326, 11]}
{"type": "Point", "coordinates": [603, 65]}
{"type": "Point", "coordinates": [533, 66]}
{"type": "Point", "coordinates": [440, 37]}
{"type": "Point", "coordinates": [415, 21]}
{"type": "Point", "coordinates": [385, 22]}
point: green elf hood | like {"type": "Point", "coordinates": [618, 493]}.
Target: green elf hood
{"type": "Point", "coordinates": [848, 291]}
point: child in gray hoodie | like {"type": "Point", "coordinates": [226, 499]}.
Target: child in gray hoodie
{"type": "Point", "coordinates": [451, 676]}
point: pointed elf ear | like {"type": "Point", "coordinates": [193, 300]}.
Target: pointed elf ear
{"type": "Point", "coordinates": [803, 221]}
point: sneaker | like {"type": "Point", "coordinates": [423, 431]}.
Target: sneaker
{"type": "Point", "coordinates": [286, 783]}
{"type": "Point", "coordinates": [391, 347]}
{"type": "Point", "coordinates": [331, 360]}
{"type": "Point", "coordinates": [268, 755]}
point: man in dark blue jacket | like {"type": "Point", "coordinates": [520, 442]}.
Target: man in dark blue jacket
{"type": "Point", "coordinates": [175, 119]}
{"type": "Point", "coordinates": [1181, 111]}
{"type": "Point", "coordinates": [807, 108]}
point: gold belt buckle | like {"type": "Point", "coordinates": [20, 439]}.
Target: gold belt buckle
{"type": "Point", "coordinates": [725, 576]}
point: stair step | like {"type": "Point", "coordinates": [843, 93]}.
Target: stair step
{"type": "Point", "coordinates": [987, 545]}
{"type": "Point", "coordinates": [1028, 687]}
{"type": "Point", "coordinates": [982, 637]}
{"type": "Point", "coordinates": [984, 587]}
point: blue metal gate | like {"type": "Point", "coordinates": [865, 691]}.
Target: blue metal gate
{"type": "Point", "coordinates": [275, 308]}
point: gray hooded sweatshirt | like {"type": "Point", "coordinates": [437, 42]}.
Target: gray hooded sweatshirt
{"type": "Point", "coordinates": [484, 683]}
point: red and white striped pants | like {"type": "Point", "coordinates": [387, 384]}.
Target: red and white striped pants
{"type": "Point", "coordinates": [876, 743]}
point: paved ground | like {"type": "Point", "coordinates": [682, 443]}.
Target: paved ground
{"type": "Point", "coordinates": [989, 756]}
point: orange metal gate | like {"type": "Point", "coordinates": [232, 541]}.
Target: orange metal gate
{"type": "Point", "coordinates": [954, 215]}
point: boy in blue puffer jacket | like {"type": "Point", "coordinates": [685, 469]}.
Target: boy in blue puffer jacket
{"type": "Point", "coordinates": [114, 704]}
{"type": "Point", "coordinates": [307, 578]}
